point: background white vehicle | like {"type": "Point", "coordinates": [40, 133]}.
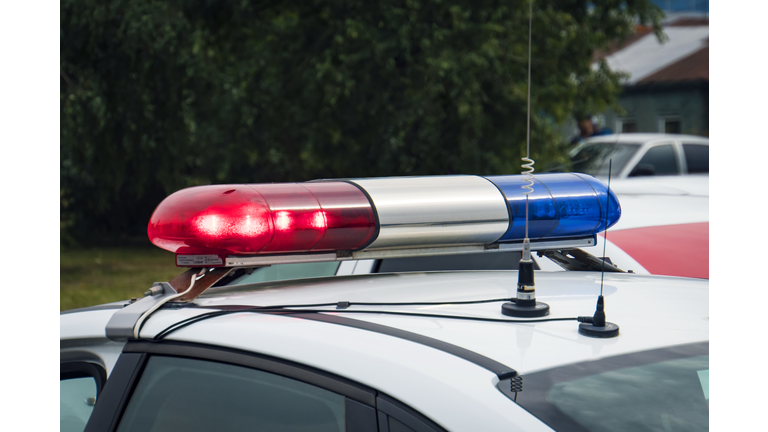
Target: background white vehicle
{"type": "Point", "coordinates": [642, 154]}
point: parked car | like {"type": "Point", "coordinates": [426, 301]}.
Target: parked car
{"type": "Point", "coordinates": [395, 352]}
{"type": "Point", "coordinates": [641, 154]}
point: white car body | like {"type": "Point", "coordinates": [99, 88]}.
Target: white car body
{"type": "Point", "coordinates": [646, 141]}
{"type": "Point", "coordinates": [653, 312]}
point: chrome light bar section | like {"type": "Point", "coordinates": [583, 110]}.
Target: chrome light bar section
{"type": "Point", "coordinates": [262, 260]}
{"type": "Point", "coordinates": [436, 210]}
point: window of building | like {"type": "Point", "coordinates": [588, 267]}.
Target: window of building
{"type": "Point", "coordinates": [670, 125]}
{"type": "Point", "coordinates": [626, 126]}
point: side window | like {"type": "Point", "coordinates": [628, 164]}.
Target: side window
{"type": "Point", "coordinates": [396, 417]}
{"type": "Point", "coordinates": [197, 395]}
{"type": "Point", "coordinates": [659, 160]}
{"type": "Point", "coordinates": [79, 385]}
{"type": "Point", "coordinates": [697, 158]}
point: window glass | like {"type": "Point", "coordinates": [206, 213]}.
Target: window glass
{"type": "Point", "coordinates": [178, 394]}
{"type": "Point", "coordinates": [76, 399]}
{"type": "Point", "coordinates": [697, 158]}
{"type": "Point", "coordinates": [628, 126]}
{"type": "Point", "coordinates": [659, 160]}
{"type": "Point", "coordinates": [476, 261]}
{"type": "Point", "coordinates": [593, 158]}
{"type": "Point", "coordinates": [281, 272]}
{"type": "Point", "coordinates": [659, 390]}
{"type": "Point", "coordinates": [672, 126]}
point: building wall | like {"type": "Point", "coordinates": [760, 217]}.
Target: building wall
{"type": "Point", "coordinates": [648, 109]}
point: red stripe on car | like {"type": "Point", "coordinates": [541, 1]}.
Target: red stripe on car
{"type": "Point", "coordinates": [674, 250]}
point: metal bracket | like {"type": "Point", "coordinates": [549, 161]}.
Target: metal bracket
{"type": "Point", "coordinates": [181, 282]}
{"type": "Point", "coordinates": [578, 260]}
{"type": "Point", "coordinates": [120, 326]}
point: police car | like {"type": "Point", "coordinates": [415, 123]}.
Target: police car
{"type": "Point", "coordinates": [525, 349]}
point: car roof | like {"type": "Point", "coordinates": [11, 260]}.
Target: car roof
{"type": "Point", "coordinates": [653, 312]}
{"type": "Point", "coordinates": [634, 302]}
{"type": "Point", "coordinates": [633, 138]}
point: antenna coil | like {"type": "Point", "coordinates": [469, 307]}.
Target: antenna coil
{"type": "Point", "coordinates": [528, 173]}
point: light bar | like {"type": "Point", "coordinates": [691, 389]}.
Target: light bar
{"type": "Point", "coordinates": [264, 218]}
{"type": "Point", "coordinates": [437, 210]}
{"type": "Point", "coordinates": [561, 205]}
{"type": "Point", "coordinates": [350, 219]}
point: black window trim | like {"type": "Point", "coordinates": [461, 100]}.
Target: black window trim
{"type": "Point", "coordinates": [84, 369]}
{"type": "Point", "coordinates": [111, 404]}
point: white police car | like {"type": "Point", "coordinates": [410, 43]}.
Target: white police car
{"type": "Point", "coordinates": [419, 351]}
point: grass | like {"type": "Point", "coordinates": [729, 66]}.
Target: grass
{"type": "Point", "coordinates": [101, 275]}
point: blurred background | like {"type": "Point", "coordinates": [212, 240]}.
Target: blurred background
{"type": "Point", "coordinates": [161, 95]}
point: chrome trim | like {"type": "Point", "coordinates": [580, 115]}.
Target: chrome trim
{"type": "Point", "coordinates": [261, 260]}
{"type": "Point", "coordinates": [436, 210]}
{"type": "Point", "coordinates": [238, 261]}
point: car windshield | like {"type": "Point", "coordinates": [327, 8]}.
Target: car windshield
{"type": "Point", "coordinates": [280, 272]}
{"type": "Point", "coordinates": [593, 158]}
{"type": "Point", "coordinates": [658, 390]}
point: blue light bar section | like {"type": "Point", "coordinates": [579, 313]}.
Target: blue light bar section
{"type": "Point", "coordinates": [562, 205]}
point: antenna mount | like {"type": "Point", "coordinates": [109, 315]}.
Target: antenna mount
{"type": "Point", "coordinates": [525, 305]}
{"type": "Point", "coordinates": [599, 328]}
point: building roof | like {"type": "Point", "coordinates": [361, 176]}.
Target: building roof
{"type": "Point", "coordinates": [694, 67]}
{"type": "Point", "coordinates": [684, 56]}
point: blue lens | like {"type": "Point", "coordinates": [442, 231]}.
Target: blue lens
{"type": "Point", "coordinates": [561, 205]}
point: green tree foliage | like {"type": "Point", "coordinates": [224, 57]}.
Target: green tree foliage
{"type": "Point", "coordinates": [157, 95]}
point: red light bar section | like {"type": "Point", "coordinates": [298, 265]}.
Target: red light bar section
{"type": "Point", "coordinates": [263, 218]}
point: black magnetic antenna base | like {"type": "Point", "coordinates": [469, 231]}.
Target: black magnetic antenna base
{"type": "Point", "coordinates": [608, 331]}
{"type": "Point", "coordinates": [515, 310]}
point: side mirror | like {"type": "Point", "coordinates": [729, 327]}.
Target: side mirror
{"type": "Point", "coordinates": [643, 170]}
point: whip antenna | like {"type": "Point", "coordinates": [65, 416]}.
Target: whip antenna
{"type": "Point", "coordinates": [525, 305]}
{"type": "Point", "coordinates": [597, 326]}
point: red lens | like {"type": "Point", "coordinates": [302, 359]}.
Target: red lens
{"type": "Point", "coordinates": [263, 218]}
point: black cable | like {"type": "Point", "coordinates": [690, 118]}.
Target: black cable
{"type": "Point", "coordinates": [345, 305]}
{"type": "Point", "coordinates": [280, 310]}
{"type": "Point", "coordinates": [183, 323]}
{"type": "Point", "coordinates": [348, 304]}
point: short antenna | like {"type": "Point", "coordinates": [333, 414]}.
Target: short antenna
{"type": "Point", "coordinates": [598, 327]}
{"type": "Point", "coordinates": [525, 305]}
